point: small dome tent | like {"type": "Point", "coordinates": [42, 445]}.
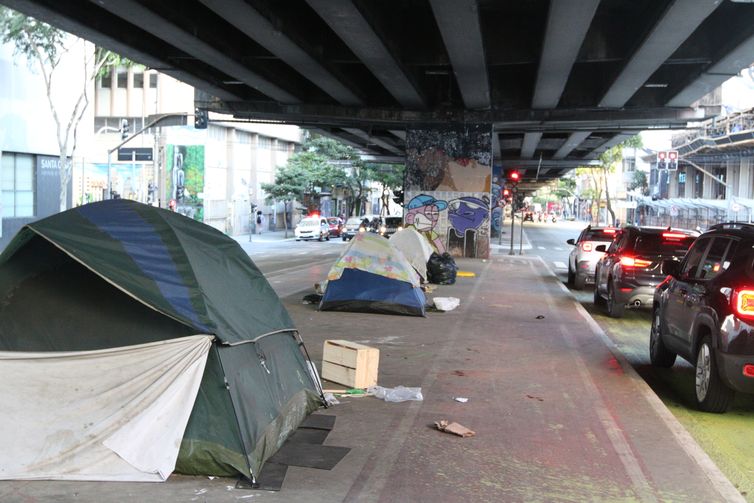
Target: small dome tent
{"type": "Point", "coordinates": [373, 276]}
{"type": "Point", "coordinates": [156, 336]}
{"type": "Point", "coordinates": [415, 248]}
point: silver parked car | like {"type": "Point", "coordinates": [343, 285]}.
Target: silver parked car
{"type": "Point", "coordinates": [584, 257]}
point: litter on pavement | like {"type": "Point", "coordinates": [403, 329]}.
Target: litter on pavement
{"type": "Point", "coordinates": [397, 394]}
{"type": "Point", "coordinates": [446, 303]}
{"type": "Point", "coordinates": [454, 428]}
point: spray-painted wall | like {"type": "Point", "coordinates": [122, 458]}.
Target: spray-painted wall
{"type": "Point", "coordinates": [447, 188]}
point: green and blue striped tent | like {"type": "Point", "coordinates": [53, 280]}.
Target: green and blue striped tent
{"type": "Point", "coordinates": [119, 273]}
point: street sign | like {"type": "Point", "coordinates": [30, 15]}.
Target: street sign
{"type": "Point", "coordinates": [140, 154]}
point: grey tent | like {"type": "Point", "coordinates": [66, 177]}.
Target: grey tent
{"type": "Point", "coordinates": [120, 274]}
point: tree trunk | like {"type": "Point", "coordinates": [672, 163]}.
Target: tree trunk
{"type": "Point", "coordinates": [607, 199]}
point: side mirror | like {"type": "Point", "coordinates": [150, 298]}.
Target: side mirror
{"type": "Point", "coordinates": [571, 241]}
{"type": "Point", "coordinates": [600, 248]}
{"type": "Point", "coordinates": [670, 267]}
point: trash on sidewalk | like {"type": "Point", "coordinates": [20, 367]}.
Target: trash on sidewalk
{"type": "Point", "coordinates": [312, 298]}
{"type": "Point", "coordinates": [397, 394]}
{"type": "Point", "coordinates": [330, 399]}
{"type": "Point", "coordinates": [347, 392]}
{"type": "Point", "coordinates": [441, 269]}
{"type": "Point", "coordinates": [454, 428]}
{"type": "Point", "coordinates": [461, 399]}
{"type": "Point", "coordinates": [446, 303]}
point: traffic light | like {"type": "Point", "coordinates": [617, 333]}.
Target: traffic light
{"type": "Point", "coordinates": [124, 129]}
{"type": "Point", "coordinates": [200, 118]}
{"type": "Point", "coordinates": [662, 160]}
{"type": "Point", "coordinates": [514, 177]}
{"type": "Point", "coordinates": [673, 160]}
{"type": "Point", "coordinates": [506, 193]}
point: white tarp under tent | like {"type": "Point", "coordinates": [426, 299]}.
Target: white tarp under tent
{"type": "Point", "coordinates": [115, 414]}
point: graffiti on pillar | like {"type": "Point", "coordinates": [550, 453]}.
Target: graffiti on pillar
{"type": "Point", "coordinates": [452, 165]}
{"type": "Point", "coordinates": [423, 214]}
{"type": "Point", "coordinates": [468, 235]}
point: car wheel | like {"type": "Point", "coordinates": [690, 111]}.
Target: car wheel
{"type": "Point", "coordinates": [320, 237]}
{"type": "Point", "coordinates": [344, 238]}
{"type": "Point", "coordinates": [712, 395]}
{"type": "Point", "coordinates": [614, 308]}
{"type": "Point", "coordinates": [571, 275]}
{"type": "Point", "coordinates": [659, 354]}
{"type": "Point", "coordinates": [598, 299]}
{"type": "Point", "coordinates": [327, 238]}
{"type": "Point", "coordinates": [579, 281]}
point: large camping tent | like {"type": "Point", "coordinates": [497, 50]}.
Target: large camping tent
{"type": "Point", "coordinates": [134, 340]}
{"type": "Point", "coordinates": [373, 276]}
{"type": "Point", "coordinates": [414, 247]}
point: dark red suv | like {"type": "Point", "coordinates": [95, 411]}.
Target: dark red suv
{"type": "Point", "coordinates": [704, 312]}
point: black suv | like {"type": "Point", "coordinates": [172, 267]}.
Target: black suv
{"type": "Point", "coordinates": [626, 276]}
{"type": "Point", "coordinates": [704, 312]}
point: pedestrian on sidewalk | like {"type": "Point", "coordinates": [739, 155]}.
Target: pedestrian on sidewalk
{"type": "Point", "coordinates": [260, 221]}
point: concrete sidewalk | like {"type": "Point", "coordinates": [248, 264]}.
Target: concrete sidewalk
{"type": "Point", "coordinates": [558, 416]}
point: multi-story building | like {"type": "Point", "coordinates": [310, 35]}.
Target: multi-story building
{"type": "Point", "coordinates": [213, 174]}
{"type": "Point", "coordinates": [29, 153]}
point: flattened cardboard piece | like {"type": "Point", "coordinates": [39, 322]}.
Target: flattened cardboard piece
{"type": "Point", "coordinates": [454, 428]}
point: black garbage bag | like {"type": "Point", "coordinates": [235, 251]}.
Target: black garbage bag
{"type": "Point", "coordinates": [441, 269]}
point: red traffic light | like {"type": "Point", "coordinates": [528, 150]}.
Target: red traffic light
{"type": "Point", "coordinates": [514, 176]}
{"type": "Point", "coordinates": [673, 155]}
{"type": "Point", "coordinates": [661, 155]}
{"type": "Point", "coordinates": [506, 193]}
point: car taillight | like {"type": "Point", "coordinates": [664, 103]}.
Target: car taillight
{"type": "Point", "coordinates": [634, 262]}
{"type": "Point", "coordinates": [743, 302]}
{"type": "Point", "coordinates": [673, 235]}
{"type": "Point", "coordinates": [609, 231]}
{"type": "Point", "coordinates": [586, 246]}
{"type": "Point", "coordinates": [748, 370]}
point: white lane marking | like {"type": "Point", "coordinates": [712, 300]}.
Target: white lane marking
{"type": "Point", "coordinates": [557, 248]}
{"type": "Point", "coordinates": [560, 265]}
{"type": "Point", "coordinates": [541, 247]}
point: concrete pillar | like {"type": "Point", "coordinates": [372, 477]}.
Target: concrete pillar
{"type": "Point", "coordinates": [449, 172]}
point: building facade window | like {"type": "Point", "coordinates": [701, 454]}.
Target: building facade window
{"type": "Point", "coordinates": [17, 184]}
{"type": "Point", "coordinates": [138, 80]}
{"type": "Point", "coordinates": [122, 80]}
{"type": "Point", "coordinates": [153, 81]}
{"type": "Point", "coordinates": [106, 81]}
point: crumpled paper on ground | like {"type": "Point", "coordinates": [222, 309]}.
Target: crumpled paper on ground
{"type": "Point", "coordinates": [454, 428]}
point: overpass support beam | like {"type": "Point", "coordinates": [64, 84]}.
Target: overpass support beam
{"type": "Point", "coordinates": [447, 187]}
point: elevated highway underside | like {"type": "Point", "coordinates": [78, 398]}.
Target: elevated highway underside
{"type": "Point", "coordinates": [558, 81]}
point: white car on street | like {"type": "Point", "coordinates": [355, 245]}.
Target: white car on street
{"type": "Point", "coordinates": [583, 258]}
{"type": "Point", "coordinates": [312, 228]}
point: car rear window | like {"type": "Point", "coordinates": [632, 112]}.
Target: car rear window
{"type": "Point", "coordinates": [309, 223]}
{"type": "Point", "coordinates": [656, 243]}
{"type": "Point", "coordinates": [354, 221]}
{"type": "Point", "coordinates": [393, 221]}
{"type": "Point", "coordinates": [597, 235]}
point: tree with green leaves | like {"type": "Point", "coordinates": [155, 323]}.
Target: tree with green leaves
{"type": "Point", "coordinates": [599, 174]}
{"type": "Point", "coordinates": [43, 46]}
